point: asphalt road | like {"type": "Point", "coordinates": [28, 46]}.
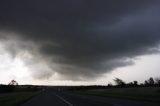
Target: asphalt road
{"type": "Point", "coordinates": [53, 98]}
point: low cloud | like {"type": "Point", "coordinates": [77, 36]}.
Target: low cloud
{"type": "Point", "coordinates": [79, 40]}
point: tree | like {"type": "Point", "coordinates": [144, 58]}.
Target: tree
{"type": "Point", "coordinates": [157, 81]}
{"type": "Point", "coordinates": [146, 83]}
{"type": "Point", "coordinates": [135, 83]}
{"type": "Point", "coordinates": [151, 81]}
{"type": "Point", "coordinates": [110, 85]}
{"type": "Point", "coordinates": [119, 82]}
{"type": "Point", "coordinates": [130, 84]}
{"type": "Point", "coordinates": [13, 82]}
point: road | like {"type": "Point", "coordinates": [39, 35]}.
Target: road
{"type": "Point", "coordinates": [55, 98]}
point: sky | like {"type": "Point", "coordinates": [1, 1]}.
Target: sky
{"type": "Point", "coordinates": [79, 42]}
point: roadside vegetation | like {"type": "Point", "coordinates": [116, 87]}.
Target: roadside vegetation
{"type": "Point", "coordinates": [15, 95]}
{"type": "Point", "coordinates": [143, 94]}
{"type": "Point", "coordinates": [16, 99]}
{"type": "Point", "coordinates": [147, 91]}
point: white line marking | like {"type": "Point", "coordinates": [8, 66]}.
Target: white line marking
{"type": "Point", "coordinates": [117, 105]}
{"type": "Point", "coordinates": [64, 100]}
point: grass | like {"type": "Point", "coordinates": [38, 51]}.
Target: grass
{"type": "Point", "coordinates": [141, 94]}
{"type": "Point", "coordinates": [17, 99]}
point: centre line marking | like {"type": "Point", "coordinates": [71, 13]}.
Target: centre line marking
{"type": "Point", "coordinates": [64, 100]}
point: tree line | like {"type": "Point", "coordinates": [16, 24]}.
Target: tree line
{"type": "Point", "coordinates": [119, 83]}
{"type": "Point", "coordinates": [151, 82]}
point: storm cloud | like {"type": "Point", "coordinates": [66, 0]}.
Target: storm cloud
{"type": "Point", "coordinates": [79, 39]}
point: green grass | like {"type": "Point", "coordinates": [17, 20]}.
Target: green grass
{"type": "Point", "coordinates": [141, 94]}
{"type": "Point", "coordinates": [16, 100]}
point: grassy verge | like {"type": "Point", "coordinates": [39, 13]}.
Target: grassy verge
{"type": "Point", "coordinates": [124, 94]}
{"type": "Point", "coordinates": [16, 100]}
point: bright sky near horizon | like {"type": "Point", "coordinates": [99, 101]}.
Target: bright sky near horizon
{"type": "Point", "coordinates": [143, 68]}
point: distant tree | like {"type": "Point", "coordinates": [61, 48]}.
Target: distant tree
{"type": "Point", "coordinates": [157, 81]}
{"type": "Point", "coordinates": [141, 84]}
{"type": "Point", "coordinates": [13, 82]}
{"type": "Point", "coordinates": [130, 84]}
{"type": "Point", "coordinates": [119, 82]}
{"type": "Point", "coordinates": [146, 83]}
{"type": "Point", "coordinates": [110, 85]}
{"type": "Point", "coordinates": [135, 83]}
{"type": "Point", "coordinates": [151, 81]}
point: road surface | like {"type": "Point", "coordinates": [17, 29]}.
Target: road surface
{"type": "Point", "coordinates": [55, 98]}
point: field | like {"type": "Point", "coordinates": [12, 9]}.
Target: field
{"type": "Point", "coordinates": [16, 99]}
{"type": "Point", "coordinates": [151, 94]}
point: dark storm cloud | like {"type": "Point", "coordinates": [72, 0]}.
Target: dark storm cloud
{"type": "Point", "coordinates": [82, 39]}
